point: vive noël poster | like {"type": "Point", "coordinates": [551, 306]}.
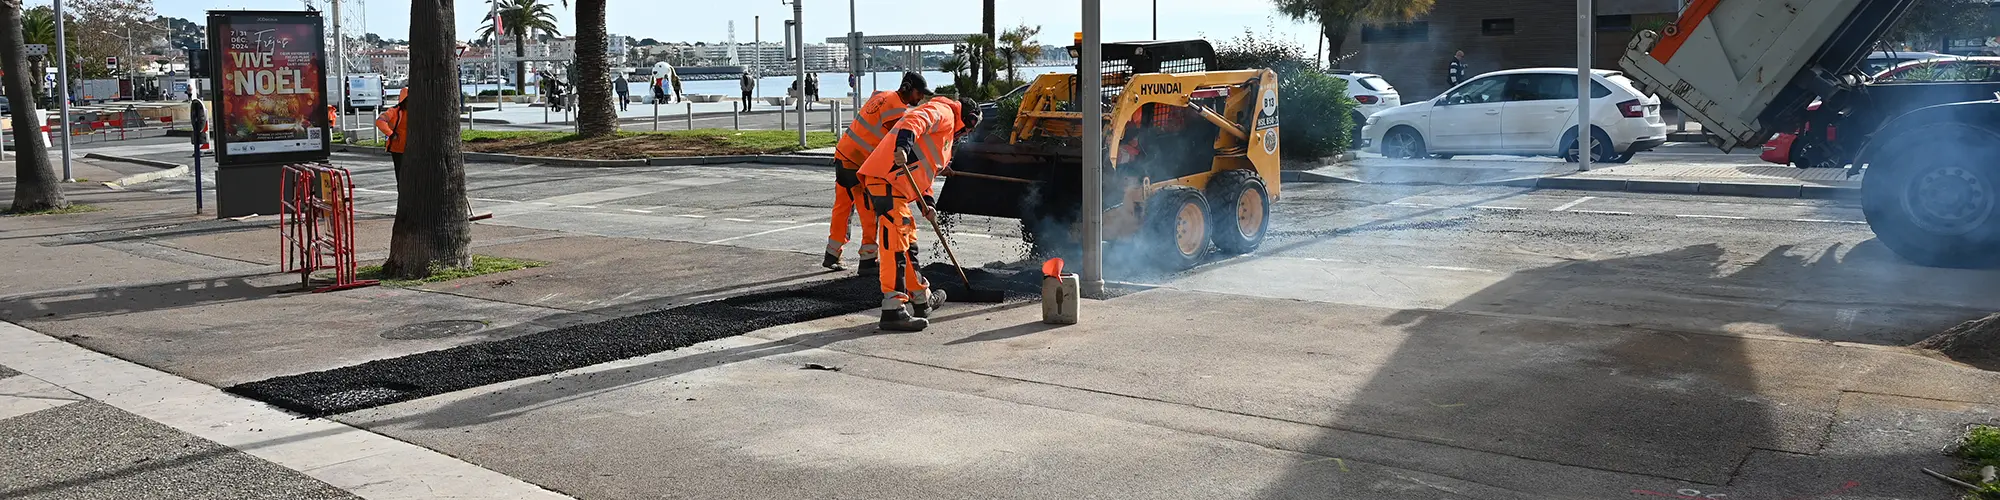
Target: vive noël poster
{"type": "Point", "coordinates": [269, 83]}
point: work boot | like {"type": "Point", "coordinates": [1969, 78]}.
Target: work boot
{"type": "Point", "coordinates": [923, 309]}
{"type": "Point", "coordinates": [900, 320]}
{"type": "Point", "coordinates": [868, 266]}
{"type": "Point", "coordinates": [831, 262]}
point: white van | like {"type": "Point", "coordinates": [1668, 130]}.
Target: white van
{"type": "Point", "coordinates": [364, 91]}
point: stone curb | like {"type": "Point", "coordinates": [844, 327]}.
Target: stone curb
{"type": "Point", "coordinates": [1314, 177]}
{"type": "Point", "coordinates": [169, 170]}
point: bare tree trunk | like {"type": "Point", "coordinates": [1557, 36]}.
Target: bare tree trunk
{"type": "Point", "coordinates": [1336, 32]}
{"type": "Point", "coordinates": [36, 186]}
{"type": "Point", "coordinates": [431, 230]}
{"type": "Point", "coordinates": [596, 115]}
{"type": "Point", "coordinates": [979, 69]}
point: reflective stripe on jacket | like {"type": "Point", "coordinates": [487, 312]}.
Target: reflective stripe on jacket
{"type": "Point", "coordinates": [935, 124]}
{"type": "Point", "coordinates": [881, 111]}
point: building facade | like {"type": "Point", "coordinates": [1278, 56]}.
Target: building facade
{"type": "Point", "coordinates": [769, 57]}
{"type": "Point", "coordinates": [1495, 35]}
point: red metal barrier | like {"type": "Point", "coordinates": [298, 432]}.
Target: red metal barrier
{"type": "Point", "coordinates": [316, 227]}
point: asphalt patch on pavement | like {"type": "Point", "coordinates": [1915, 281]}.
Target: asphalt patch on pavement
{"type": "Point", "coordinates": [405, 378]}
{"type": "Point", "coordinates": [1975, 342]}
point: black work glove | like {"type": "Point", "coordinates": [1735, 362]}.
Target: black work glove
{"type": "Point", "coordinates": [929, 201]}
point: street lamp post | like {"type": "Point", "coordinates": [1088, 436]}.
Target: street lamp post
{"type": "Point", "coordinates": [1584, 136]}
{"type": "Point", "coordinates": [62, 86]}
{"type": "Point", "coordinates": [1090, 69]}
{"type": "Point", "coordinates": [799, 75]}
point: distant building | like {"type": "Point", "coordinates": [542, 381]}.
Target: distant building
{"type": "Point", "coordinates": [1495, 36]}
{"type": "Point", "coordinates": [769, 57]}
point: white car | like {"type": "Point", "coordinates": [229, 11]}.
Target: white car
{"type": "Point", "coordinates": [1521, 112]}
{"type": "Point", "coordinates": [1371, 94]}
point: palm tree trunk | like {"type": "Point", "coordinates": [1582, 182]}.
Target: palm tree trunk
{"type": "Point", "coordinates": [1336, 32]}
{"type": "Point", "coordinates": [520, 67]}
{"type": "Point", "coordinates": [430, 231]}
{"type": "Point", "coordinates": [35, 184]}
{"type": "Point", "coordinates": [596, 115]}
{"type": "Point", "coordinates": [985, 75]}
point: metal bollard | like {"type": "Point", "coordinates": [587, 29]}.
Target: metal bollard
{"type": "Point", "coordinates": [833, 122]}
{"type": "Point", "coordinates": [656, 115]}
{"type": "Point", "coordinates": [781, 120]}
{"type": "Point", "coordinates": [736, 118]}
{"type": "Point", "coordinates": [690, 115]}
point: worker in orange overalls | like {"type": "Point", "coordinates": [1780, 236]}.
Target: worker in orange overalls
{"type": "Point", "coordinates": [395, 124]}
{"type": "Point", "coordinates": [870, 123]}
{"type": "Point", "coordinates": [917, 149]}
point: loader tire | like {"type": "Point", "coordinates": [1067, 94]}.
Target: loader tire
{"type": "Point", "coordinates": [1242, 211]}
{"type": "Point", "coordinates": [1934, 198]}
{"type": "Point", "coordinates": [1176, 228]}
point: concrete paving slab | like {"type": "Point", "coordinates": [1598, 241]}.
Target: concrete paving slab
{"type": "Point", "coordinates": [22, 395]}
{"type": "Point", "coordinates": [230, 330]}
{"type": "Point", "coordinates": [599, 274]}
{"type": "Point", "coordinates": [81, 265]}
{"type": "Point", "coordinates": [91, 450]}
{"type": "Point", "coordinates": [763, 428]}
{"type": "Point", "coordinates": [261, 244]}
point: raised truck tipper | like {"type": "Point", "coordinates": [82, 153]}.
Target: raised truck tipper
{"type": "Point", "coordinates": [1931, 151]}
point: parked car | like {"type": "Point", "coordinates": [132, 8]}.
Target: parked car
{"type": "Point", "coordinates": [6, 107]}
{"type": "Point", "coordinates": [1522, 112]}
{"type": "Point", "coordinates": [1371, 94]}
{"type": "Point", "coordinates": [1788, 148]}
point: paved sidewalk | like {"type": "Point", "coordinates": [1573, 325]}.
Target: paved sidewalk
{"type": "Point", "coordinates": [523, 114]}
{"type": "Point", "coordinates": [1693, 173]}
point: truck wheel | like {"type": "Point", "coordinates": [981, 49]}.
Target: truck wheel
{"type": "Point", "coordinates": [1242, 211]}
{"type": "Point", "coordinates": [1936, 199]}
{"type": "Point", "coordinates": [1177, 228]}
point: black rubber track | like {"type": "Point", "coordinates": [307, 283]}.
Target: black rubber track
{"type": "Point", "coordinates": [395, 380]}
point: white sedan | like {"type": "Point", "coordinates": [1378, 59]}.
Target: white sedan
{"type": "Point", "coordinates": [1521, 112]}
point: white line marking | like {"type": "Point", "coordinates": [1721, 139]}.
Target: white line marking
{"type": "Point", "coordinates": [1573, 204]}
{"type": "Point", "coordinates": [1600, 212]}
{"type": "Point", "coordinates": [1402, 204]}
{"type": "Point", "coordinates": [692, 216]}
{"type": "Point", "coordinates": [583, 206]}
{"type": "Point", "coordinates": [491, 200]}
{"type": "Point", "coordinates": [1463, 269]}
{"type": "Point", "coordinates": [366, 190]}
{"type": "Point", "coordinates": [531, 165]}
{"type": "Point", "coordinates": [738, 220]}
{"type": "Point", "coordinates": [1489, 207]}
{"type": "Point", "coordinates": [973, 235]}
{"type": "Point", "coordinates": [547, 204]}
{"type": "Point", "coordinates": [638, 211]}
{"type": "Point", "coordinates": [1830, 221]}
{"type": "Point", "coordinates": [761, 233]}
{"type": "Point", "coordinates": [782, 221]}
{"type": "Point", "coordinates": [1728, 217]}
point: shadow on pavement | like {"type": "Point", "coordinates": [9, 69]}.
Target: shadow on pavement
{"type": "Point", "coordinates": [116, 300]}
{"type": "Point", "coordinates": [1503, 372]}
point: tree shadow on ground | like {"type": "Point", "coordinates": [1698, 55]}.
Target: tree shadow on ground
{"type": "Point", "coordinates": [1537, 374]}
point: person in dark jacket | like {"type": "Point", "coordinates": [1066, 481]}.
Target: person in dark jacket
{"type": "Point", "coordinates": [1455, 73]}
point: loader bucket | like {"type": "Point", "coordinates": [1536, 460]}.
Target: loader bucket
{"type": "Point", "coordinates": [1053, 193]}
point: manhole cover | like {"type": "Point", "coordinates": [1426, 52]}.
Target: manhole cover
{"type": "Point", "coordinates": [434, 329]}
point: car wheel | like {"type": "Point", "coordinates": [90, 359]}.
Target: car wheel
{"type": "Point", "coordinates": [1620, 158]}
{"type": "Point", "coordinates": [1600, 151]}
{"type": "Point", "coordinates": [1936, 200]}
{"type": "Point", "coordinates": [1403, 142]}
{"type": "Point", "coordinates": [1441, 156]}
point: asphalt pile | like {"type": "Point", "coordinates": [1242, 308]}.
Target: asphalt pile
{"type": "Point", "coordinates": [1975, 342]}
{"type": "Point", "coordinates": [405, 378]}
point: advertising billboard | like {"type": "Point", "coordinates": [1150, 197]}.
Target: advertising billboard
{"type": "Point", "coordinates": [269, 92]}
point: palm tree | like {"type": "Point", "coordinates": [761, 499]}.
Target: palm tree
{"type": "Point", "coordinates": [1335, 17]}
{"type": "Point", "coordinates": [985, 28]}
{"type": "Point", "coordinates": [1018, 46]}
{"type": "Point", "coordinates": [521, 18]}
{"type": "Point", "coordinates": [35, 181]}
{"type": "Point", "coordinates": [431, 232]}
{"type": "Point", "coordinates": [38, 26]}
{"type": "Point", "coordinates": [597, 115]}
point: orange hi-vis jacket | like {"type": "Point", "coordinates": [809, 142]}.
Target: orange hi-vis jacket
{"type": "Point", "coordinates": [876, 115]}
{"type": "Point", "coordinates": [935, 124]}
{"type": "Point", "coordinates": [395, 123]}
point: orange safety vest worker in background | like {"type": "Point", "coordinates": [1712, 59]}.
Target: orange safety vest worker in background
{"type": "Point", "coordinates": [918, 148]}
{"type": "Point", "coordinates": [870, 123]}
{"type": "Point", "coordinates": [395, 124]}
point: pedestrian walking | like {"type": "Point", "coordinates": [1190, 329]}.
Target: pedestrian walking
{"type": "Point", "coordinates": [882, 111]}
{"type": "Point", "coordinates": [675, 77]}
{"type": "Point", "coordinates": [394, 123]}
{"type": "Point", "coordinates": [812, 87]}
{"type": "Point", "coordinates": [917, 149]}
{"type": "Point", "coordinates": [659, 89]}
{"type": "Point", "coordinates": [624, 90]}
{"type": "Point", "coordinates": [749, 85]}
{"type": "Point", "coordinates": [1455, 72]}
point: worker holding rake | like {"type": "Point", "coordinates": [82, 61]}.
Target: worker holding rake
{"type": "Point", "coordinates": [900, 171]}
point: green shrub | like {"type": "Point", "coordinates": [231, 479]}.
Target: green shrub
{"type": "Point", "coordinates": [491, 93]}
{"type": "Point", "coordinates": [1313, 107]}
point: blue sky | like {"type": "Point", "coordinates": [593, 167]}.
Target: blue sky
{"type": "Point", "coordinates": [702, 20]}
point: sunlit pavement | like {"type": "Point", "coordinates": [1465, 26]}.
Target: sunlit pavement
{"type": "Point", "coordinates": [1387, 341]}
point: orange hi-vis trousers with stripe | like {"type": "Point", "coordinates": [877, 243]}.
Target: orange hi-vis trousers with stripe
{"type": "Point", "coordinates": [849, 200]}
{"type": "Point", "coordinates": [901, 280]}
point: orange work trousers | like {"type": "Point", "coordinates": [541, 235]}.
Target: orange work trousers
{"type": "Point", "coordinates": [901, 281]}
{"type": "Point", "coordinates": [849, 200]}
